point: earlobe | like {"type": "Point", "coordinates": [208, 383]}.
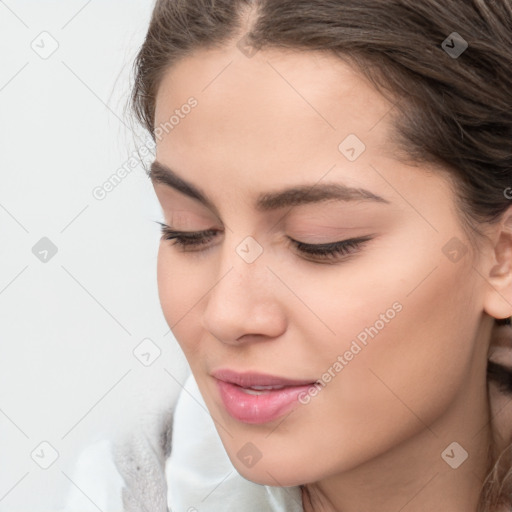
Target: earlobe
{"type": "Point", "coordinates": [498, 300]}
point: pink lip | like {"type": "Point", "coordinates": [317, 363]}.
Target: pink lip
{"type": "Point", "coordinates": [263, 408]}
{"type": "Point", "coordinates": [248, 379]}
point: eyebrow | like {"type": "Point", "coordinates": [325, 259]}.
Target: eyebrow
{"type": "Point", "coordinates": [297, 195]}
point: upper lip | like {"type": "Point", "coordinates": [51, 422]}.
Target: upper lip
{"type": "Point", "coordinates": [248, 379]}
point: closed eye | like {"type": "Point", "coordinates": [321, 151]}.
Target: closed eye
{"type": "Point", "coordinates": [189, 241]}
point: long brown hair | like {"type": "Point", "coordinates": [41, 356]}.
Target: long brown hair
{"type": "Point", "coordinates": [452, 110]}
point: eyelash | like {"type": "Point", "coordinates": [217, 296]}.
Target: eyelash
{"type": "Point", "coordinates": [333, 250]}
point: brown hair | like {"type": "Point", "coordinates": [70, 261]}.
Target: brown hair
{"type": "Point", "coordinates": [452, 111]}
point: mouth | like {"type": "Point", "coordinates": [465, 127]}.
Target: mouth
{"type": "Point", "coordinates": [258, 380]}
{"type": "Point", "coordinates": [260, 390]}
{"type": "Point", "coordinates": [256, 397]}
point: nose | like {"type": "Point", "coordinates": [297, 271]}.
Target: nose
{"type": "Point", "coordinates": [244, 303]}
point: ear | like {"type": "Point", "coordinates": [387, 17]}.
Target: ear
{"type": "Point", "coordinates": [498, 297]}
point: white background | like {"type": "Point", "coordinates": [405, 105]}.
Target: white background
{"type": "Point", "coordinates": [69, 325]}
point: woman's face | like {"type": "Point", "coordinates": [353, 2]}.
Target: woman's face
{"type": "Point", "coordinates": [393, 330]}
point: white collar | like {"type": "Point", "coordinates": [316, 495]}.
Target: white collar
{"type": "Point", "coordinates": [200, 475]}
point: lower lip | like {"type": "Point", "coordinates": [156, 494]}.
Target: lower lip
{"type": "Point", "coordinates": [262, 408]}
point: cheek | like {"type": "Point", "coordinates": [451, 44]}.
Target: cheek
{"type": "Point", "coordinates": [179, 293]}
{"type": "Point", "coordinates": [422, 350]}
{"type": "Point", "coordinates": [166, 280]}
{"type": "Point", "coordinates": [400, 374]}
{"type": "Point", "coordinates": [406, 377]}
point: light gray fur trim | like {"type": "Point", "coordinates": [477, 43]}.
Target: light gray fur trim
{"type": "Point", "coordinates": [140, 459]}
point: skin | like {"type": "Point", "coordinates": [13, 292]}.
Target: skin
{"type": "Point", "coordinates": [372, 438]}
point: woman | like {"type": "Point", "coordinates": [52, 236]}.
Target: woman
{"type": "Point", "coordinates": [335, 179]}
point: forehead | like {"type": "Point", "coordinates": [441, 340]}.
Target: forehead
{"type": "Point", "coordinates": [277, 120]}
{"type": "Point", "coordinates": [277, 117]}
{"type": "Point", "coordinates": [274, 93]}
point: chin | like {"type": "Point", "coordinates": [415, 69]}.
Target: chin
{"type": "Point", "coordinates": [274, 479]}
{"type": "Point", "coordinates": [271, 474]}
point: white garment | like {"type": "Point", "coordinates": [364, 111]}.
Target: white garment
{"type": "Point", "coordinates": [199, 475]}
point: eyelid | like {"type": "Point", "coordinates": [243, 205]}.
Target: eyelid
{"type": "Point", "coordinates": [207, 232]}
{"type": "Point", "coordinates": [166, 229]}
{"type": "Point", "coordinates": [325, 253]}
